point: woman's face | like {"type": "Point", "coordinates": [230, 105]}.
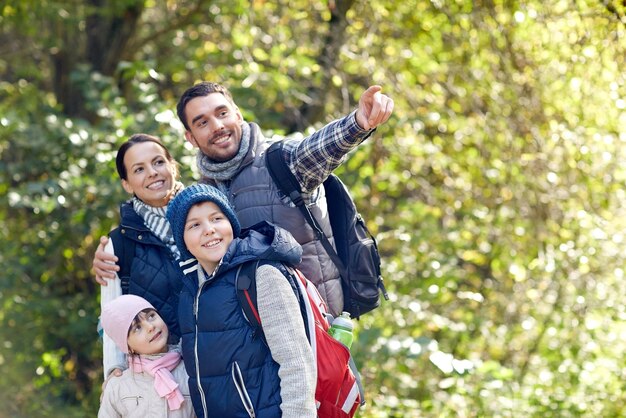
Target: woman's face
{"type": "Point", "coordinates": [149, 175]}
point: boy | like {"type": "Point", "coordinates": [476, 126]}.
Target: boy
{"type": "Point", "coordinates": [232, 372]}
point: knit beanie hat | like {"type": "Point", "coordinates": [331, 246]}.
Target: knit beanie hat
{"type": "Point", "coordinates": [118, 315]}
{"type": "Point", "coordinates": [178, 209]}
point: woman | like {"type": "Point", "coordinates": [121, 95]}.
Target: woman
{"type": "Point", "coordinates": [149, 173]}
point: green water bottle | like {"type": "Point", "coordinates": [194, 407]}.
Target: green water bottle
{"type": "Point", "coordinates": [341, 329]}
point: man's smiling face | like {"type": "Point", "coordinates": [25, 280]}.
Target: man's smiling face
{"type": "Point", "coordinates": [215, 126]}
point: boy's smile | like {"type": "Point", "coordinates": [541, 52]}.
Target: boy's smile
{"type": "Point", "coordinates": [207, 234]}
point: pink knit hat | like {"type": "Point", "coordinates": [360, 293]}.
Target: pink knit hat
{"type": "Point", "coordinates": [117, 317]}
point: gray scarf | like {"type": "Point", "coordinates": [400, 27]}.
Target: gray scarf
{"type": "Point", "coordinates": [223, 171]}
{"type": "Point", "coordinates": [155, 220]}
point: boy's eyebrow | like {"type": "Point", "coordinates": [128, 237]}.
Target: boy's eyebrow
{"type": "Point", "coordinates": [209, 215]}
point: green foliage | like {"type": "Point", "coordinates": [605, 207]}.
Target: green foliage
{"type": "Point", "coordinates": [495, 191]}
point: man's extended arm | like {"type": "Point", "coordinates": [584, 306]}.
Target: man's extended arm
{"type": "Point", "coordinates": [315, 157]}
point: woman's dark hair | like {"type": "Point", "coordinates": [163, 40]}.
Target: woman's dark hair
{"type": "Point", "coordinates": [138, 139]}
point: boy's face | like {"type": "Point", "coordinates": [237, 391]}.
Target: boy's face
{"type": "Point", "coordinates": [207, 234]}
{"type": "Point", "coordinates": [148, 334]}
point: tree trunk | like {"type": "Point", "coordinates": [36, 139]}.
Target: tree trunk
{"type": "Point", "coordinates": [109, 34]}
{"type": "Point", "coordinates": [313, 110]}
{"type": "Point", "coordinates": [100, 47]}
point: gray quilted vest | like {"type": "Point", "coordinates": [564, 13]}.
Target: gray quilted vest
{"type": "Point", "coordinates": [255, 198]}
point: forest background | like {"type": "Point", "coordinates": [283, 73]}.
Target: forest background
{"type": "Point", "coordinates": [496, 190]}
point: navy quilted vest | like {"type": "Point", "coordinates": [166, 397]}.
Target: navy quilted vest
{"type": "Point", "coordinates": [154, 274]}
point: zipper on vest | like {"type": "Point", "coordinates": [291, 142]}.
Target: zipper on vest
{"type": "Point", "coordinates": [195, 348]}
{"type": "Point", "coordinates": [240, 385]}
{"type": "Point", "coordinates": [196, 308]}
{"type": "Point", "coordinates": [202, 280]}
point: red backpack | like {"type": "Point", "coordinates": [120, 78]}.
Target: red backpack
{"type": "Point", "coordinates": [339, 391]}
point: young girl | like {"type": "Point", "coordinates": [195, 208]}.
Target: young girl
{"type": "Point", "coordinates": [232, 372]}
{"type": "Point", "coordinates": [155, 383]}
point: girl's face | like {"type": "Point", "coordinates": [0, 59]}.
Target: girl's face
{"type": "Point", "coordinates": [148, 334]}
{"type": "Point", "coordinates": [150, 176]}
{"type": "Point", "coordinates": [207, 234]}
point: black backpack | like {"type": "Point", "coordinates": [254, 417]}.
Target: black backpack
{"type": "Point", "coordinates": [125, 248]}
{"type": "Point", "coordinates": [357, 257]}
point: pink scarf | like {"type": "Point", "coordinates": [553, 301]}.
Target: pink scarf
{"type": "Point", "coordinates": [164, 382]}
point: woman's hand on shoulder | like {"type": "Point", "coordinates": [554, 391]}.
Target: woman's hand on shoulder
{"type": "Point", "coordinates": [114, 373]}
{"type": "Point", "coordinates": [103, 264]}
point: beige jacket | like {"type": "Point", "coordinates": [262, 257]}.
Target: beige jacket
{"type": "Point", "coordinates": [133, 396]}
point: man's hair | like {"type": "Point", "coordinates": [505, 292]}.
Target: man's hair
{"type": "Point", "coordinates": [199, 90]}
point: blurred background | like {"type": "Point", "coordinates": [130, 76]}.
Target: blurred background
{"type": "Point", "coordinates": [496, 190]}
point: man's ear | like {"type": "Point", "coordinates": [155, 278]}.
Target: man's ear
{"type": "Point", "coordinates": [189, 137]}
{"type": "Point", "coordinates": [127, 187]}
{"type": "Point", "coordinates": [238, 112]}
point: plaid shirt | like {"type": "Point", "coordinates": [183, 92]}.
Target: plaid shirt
{"type": "Point", "coordinates": [314, 158]}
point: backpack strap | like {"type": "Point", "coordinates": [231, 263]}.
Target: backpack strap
{"type": "Point", "coordinates": [357, 376]}
{"type": "Point", "coordinates": [125, 249]}
{"type": "Point", "coordinates": [245, 281]}
{"type": "Point", "coordinates": [288, 184]}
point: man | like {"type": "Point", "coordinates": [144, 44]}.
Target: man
{"type": "Point", "coordinates": [231, 156]}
